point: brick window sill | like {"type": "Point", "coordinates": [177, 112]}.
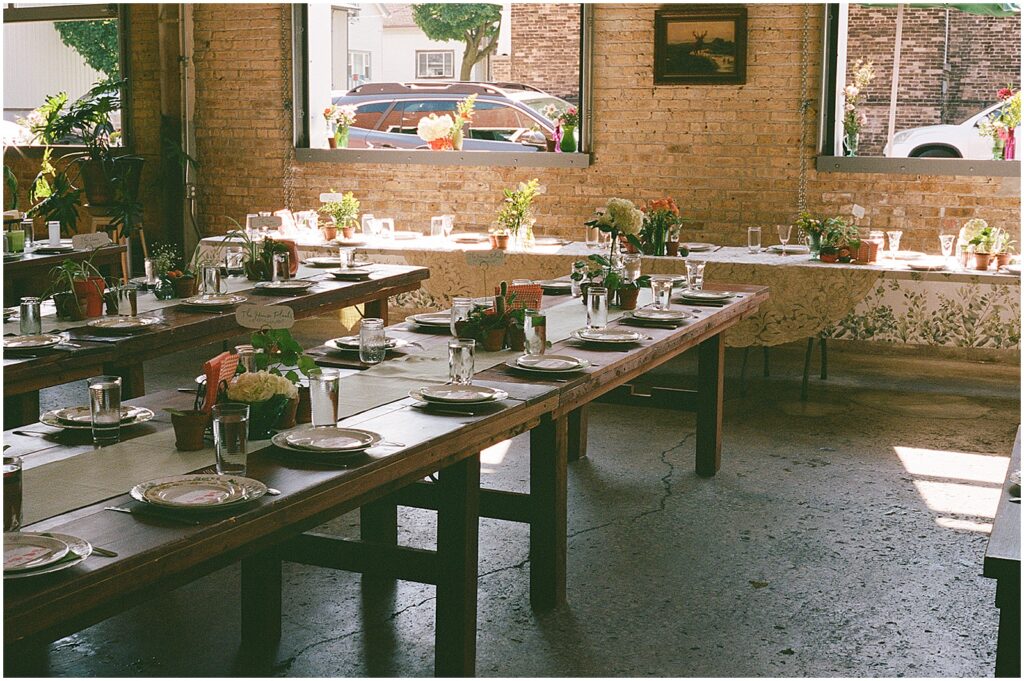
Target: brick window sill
{"type": "Point", "coordinates": [918, 166]}
{"type": "Point", "coordinates": [536, 159]}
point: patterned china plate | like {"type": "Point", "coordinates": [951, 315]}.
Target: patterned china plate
{"type": "Point", "coordinates": [557, 364]}
{"type": "Point", "coordinates": [123, 323]}
{"type": "Point", "coordinates": [458, 394]}
{"type": "Point", "coordinates": [81, 417]}
{"type": "Point", "coordinates": [650, 314]}
{"type": "Point", "coordinates": [350, 273]}
{"type": "Point", "coordinates": [199, 492]}
{"type": "Point", "coordinates": [606, 336]}
{"type": "Point", "coordinates": [688, 294]}
{"type": "Point", "coordinates": [432, 319]}
{"type": "Point", "coordinates": [28, 551]}
{"type": "Point", "coordinates": [331, 439]}
{"type": "Point", "coordinates": [288, 286]}
{"type": "Point", "coordinates": [215, 300]}
{"type": "Point", "coordinates": [80, 549]}
{"type": "Point", "coordinates": [39, 342]}
{"type": "Point", "coordinates": [697, 246]}
{"type": "Point", "coordinates": [351, 343]}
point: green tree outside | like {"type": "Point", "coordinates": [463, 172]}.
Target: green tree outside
{"type": "Point", "coordinates": [476, 25]}
{"type": "Point", "coordinates": [95, 40]}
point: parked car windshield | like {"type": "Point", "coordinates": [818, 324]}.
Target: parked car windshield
{"type": "Point", "coordinates": [541, 103]}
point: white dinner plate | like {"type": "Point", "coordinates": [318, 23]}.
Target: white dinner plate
{"type": "Point", "coordinates": [51, 250]}
{"type": "Point", "coordinates": [1013, 268]}
{"type": "Point", "coordinates": [79, 550]}
{"type": "Point", "coordinates": [37, 342]}
{"type": "Point", "coordinates": [549, 364]}
{"type": "Point", "coordinates": [790, 248]}
{"type": "Point", "coordinates": [29, 551]}
{"type": "Point", "coordinates": [331, 439]}
{"type": "Point", "coordinates": [927, 265]}
{"type": "Point", "coordinates": [697, 246]}
{"type": "Point", "coordinates": [458, 394]}
{"type": "Point", "coordinates": [555, 285]}
{"type": "Point", "coordinates": [651, 314]}
{"type": "Point", "coordinates": [123, 324]}
{"type": "Point", "coordinates": [322, 261]}
{"type": "Point", "coordinates": [81, 417]}
{"type": "Point", "coordinates": [432, 319]}
{"type": "Point", "coordinates": [354, 241]}
{"type": "Point", "coordinates": [351, 343]}
{"type": "Point", "coordinates": [351, 274]}
{"type": "Point", "coordinates": [288, 286]}
{"type": "Point", "coordinates": [407, 236]}
{"type": "Point", "coordinates": [469, 238]}
{"type": "Point", "coordinates": [607, 336]}
{"type": "Point", "coordinates": [199, 492]}
{"type": "Point", "coordinates": [689, 294]}
{"type": "Point", "coordinates": [214, 300]}
{"type": "Point", "coordinates": [908, 255]}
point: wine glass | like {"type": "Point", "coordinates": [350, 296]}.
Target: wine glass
{"type": "Point", "coordinates": [784, 234]}
{"type": "Point", "coordinates": [947, 241]}
{"type": "Point", "coordinates": [894, 242]}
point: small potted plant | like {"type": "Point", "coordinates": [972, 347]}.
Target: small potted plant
{"type": "Point", "coordinates": [1002, 247]}
{"type": "Point", "coordinates": [77, 289]}
{"type": "Point", "coordinates": [982, 246]}
{"type": "Point", "coordinates": [499, 238]}
{"type": "Point", "coordinates": [189, 428]}
{"type": "Point", "coordinates": [279, 354]}
{"type": "Point", "coordinates": [840, 240]}
{"type": "Point", "coordinates": [344, 213]}
{"type": "Point", "coordinates": [257, 255]}
{"type": "Point", "coordinates": [516, 214]}
{"type": "Point", "coordinates": [659, 234]}
{"type": "Point", "coordinates": [490, 326]}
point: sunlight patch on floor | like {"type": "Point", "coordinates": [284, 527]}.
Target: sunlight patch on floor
{"type": "Point", "coordinates": [493, 456]}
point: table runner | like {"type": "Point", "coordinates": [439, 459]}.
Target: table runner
{"type": "Point", "coordinates": [90, 477]}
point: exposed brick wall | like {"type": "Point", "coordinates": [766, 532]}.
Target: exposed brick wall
{"type": "Point", "coordinates": [984, 55]}
{"type": "Point", "coordinates": [546, 48]}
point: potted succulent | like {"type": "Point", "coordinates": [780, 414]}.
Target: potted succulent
{"type": "Point", "coordinates": [516, 215]}
{"type": "Point", "coordinates": [189, 428]}
{"type": "Point", "coordinates": [77, 290]}
{"type": "Point", "coordinates": [344, 213]}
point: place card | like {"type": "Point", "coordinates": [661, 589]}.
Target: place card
{"type": "Point", "coordinates": [485, 258]}
{"type": "Point", "coordinates": [858, 211]}
{"type": "Point", "coordinates": [331, 197]}
{"type": "Point", "coordinates": [87, 242]}
{"type": "Point", "coordinates": [265, 316]}
{"type": "Point", "coordinates": [261, 221]}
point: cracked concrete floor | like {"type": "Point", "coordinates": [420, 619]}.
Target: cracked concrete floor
{"type": "Point", "coordinates": [826, 546]}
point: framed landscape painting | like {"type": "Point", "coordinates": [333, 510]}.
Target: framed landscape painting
{"type": "Point", "coordinates": [695, 45]}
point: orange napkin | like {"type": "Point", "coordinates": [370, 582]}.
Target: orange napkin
{"type": "Point", "coordinates": [527, 296]}
{"type": "Point", "coordinates": [220, 368]}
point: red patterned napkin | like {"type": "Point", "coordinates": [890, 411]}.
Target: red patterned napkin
{"type": "Point", "coordinates": [220, 368]}
{"type": "Point", "coordinates": [527, 296]}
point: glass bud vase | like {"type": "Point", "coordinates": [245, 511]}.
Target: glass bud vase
{"type": "Point", "coordinates": [568, 143]}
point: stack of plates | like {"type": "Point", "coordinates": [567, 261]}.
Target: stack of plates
{"type": "Point", "coordinates": [458, 394]}
{"type": "Point", "coordinates": [692, 296]}
{"type": "Point", "coordinates": [548, 364]}
{"type": "Point", "coordinates": [81, 417]}
{"type": "Point", "coordinates": [326, 440]}
{"type": "Point", "coordinates": [215, 300]}
{"type": "Point", "coordinates": [38, 342]}
{"type": "Point", "coordinates": [559, 287]}
{"type": "Point", "coordinates": [198, 493]}
{"type": "Point", "coordinates": [606, 336]}
{"type": "Point", "coordinates": [10, 313]}
{"type": "Point", "coordinates": [435, 321]}
{"type": "Point", "coordinates": [351, 343]}
{"type": "Point", "coordinates": [286, 287]}
{"type": "Point", "coordinates": [122, 324]}
{"type": "Point", "coordinates": [27, 554]}
{"type": "Point", "coordinates": [790, 248]}
{"type": "Point", "coordinates": [351, 273]}
{"type": "Point", "coordinates": [697, 246]}
{"type": "Point", "coordinates": [469, 238]}
{"type": "Point", "coordinates": [648, 315]}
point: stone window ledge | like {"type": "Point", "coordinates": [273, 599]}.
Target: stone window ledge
{"type": "Point", "coordinates": [917, 166]}
{"type": "Point", "coordinates": [536, 159]}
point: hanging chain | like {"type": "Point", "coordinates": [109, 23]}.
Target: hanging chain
{"type": "Point", "coordinates": [805, 105]}
{"type": "Point", "coordinates": [286, 79]}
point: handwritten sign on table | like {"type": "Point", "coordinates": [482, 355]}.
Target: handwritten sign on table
{"type": "Point", "coordinates": [331, 197]}
{"type": "Point", "coordinates": [485, 258]}
{"type": "Point", "coordinates": [87, 242]}
{"type": "Point", "coordinates": [265, 316]}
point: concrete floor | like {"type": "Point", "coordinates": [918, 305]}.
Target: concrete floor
{"type": "Point", "coordinates": [820, 549]}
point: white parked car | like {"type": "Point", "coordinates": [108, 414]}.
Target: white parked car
{"type": "Point", "coordinates": [945, 141]}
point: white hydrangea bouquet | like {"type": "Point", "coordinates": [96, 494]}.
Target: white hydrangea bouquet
{"type": "Point", "coordinates": [268, 396]}
{"type": "Point", "coordinates": [436, 131]}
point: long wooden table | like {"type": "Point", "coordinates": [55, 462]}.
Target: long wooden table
{"type": "Point", "coordinates": [27, 276]}
{"type": "Point", "coordinates": [1002, 563]}
{"type": "Point", "coordinates": [180, 328]}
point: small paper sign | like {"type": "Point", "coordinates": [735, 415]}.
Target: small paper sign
{"type": "Point", "coordinates": [261, 221]}
{"type": "Point", "coordinates": [858, 211]}
{"type": "Point", "coordinates": [265, 316]}
{"type": "Point", "coordinates": [485, 258]}
{"type": "Point", "coordinates": [87, 242]}
{"type": "Point", "coordinates": [331, 197]}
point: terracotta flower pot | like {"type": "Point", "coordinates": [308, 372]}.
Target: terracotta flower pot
{"type": "Point", "coordinates": [288, 416]}
{"type": "Point", "coordinates": [304, 409]}
{"type": "Point", "coordinates": [627, 298]}
{"type": "Point", "coordinates": [348, 232]}
{"type": "Point", "coordinates": [516, 336]}
{"type": "Point", "coordinates": [329, 231]}
{"type": "Point", "coordinates": [189, 427]}
{"type": "Point", "coordinates": [500, 241]}
{"type": "Point", "coordinates": [1002, 259]}
{"type": "Point", "coordinates": [672, 248]}
{"type": "Point", "coordinates": [982, 261]}
{"type": "Point", "coordinates": [331, 142]}
{"type": "Point", "coordinates": [830, 257]}
{"type": "Point", "coordinates": [494, 340]}
{"type": "Point", "coordinates": [185, 287]}
{"type": "Point", "coordinates": [91, 291]}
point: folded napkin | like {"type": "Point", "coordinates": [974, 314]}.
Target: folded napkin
{"type": "Point", "coordinates": [220, 368]}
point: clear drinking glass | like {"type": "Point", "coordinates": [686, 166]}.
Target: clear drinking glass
{"type": "Point", "coordinates": [12, 493]}
{"type": "Point", "coordinates": [460, 360]}
{"type": "Point", "coordinates": [324, 386]}
{"type": "Point", "coordinates": [597, 308]}
{"type": "Point", "coordinates": [211, 280]}
{"type": "Point", "coordinates": [754, 239]}
{"type": "Point", "coordinates": [461, 307]}
{"type": "Point", "coordinates": [346, 257]}
{"type": "Point", "coordinates": [372, 341]}
{"type": "Point", "coordinates": [535, 328]}
{"type": "Point", "coordinates": [53, 233]}
{"type": "Point", "coordinates": [231, 437]}
{"type": "Point", "coordinates": [662, 287]}
{"type": "Point", "coordinates": [366, 224]}
{"type": "Point", "coordinates": [150, 272]}
{"type": "Point", "coordinates": [437, 226]}
{"type": "Point", "coordinates": [784, 232]}
{"type": "Point", "coordinates": [387, 228]}
{"type": "Point", "coordinates": [31, 321]}
{"type": "Point", "coordinates": [282, 267]}
{"type": "Point", "coordinates": [448, 225]}
{"type": "Point", "coordinates": [105, 407]}
{"type": "Point", "coordinates": [233, 259]}
{"type": "Point", "coordinates": [29, 228]}
{"type": "Point", "coordinates": [695, 274]}
{"type": "Point", "coordinates": [631, 263]}
{"type": "Point", "coordinates": [592, 236]}
{"type": "Point", "coordinates": [246, 357]}
{"type": "Point", "coordinates": [946, 241]}
{"type": "Point", "coordinates": [894, 242]}
{"type": "Point", "coordinates": [580, 270]}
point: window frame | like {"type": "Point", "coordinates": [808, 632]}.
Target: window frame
{"type": "Point", "coordinates": [446, 56]}
{"type": "Point", "coordinates": [117, 11]}
{"type": "Point", "coordinates": [526, 159]}
{"type": "Point", "coordinates": [368, 62]}
{"type": "Point", "coordinates": [826, 160]}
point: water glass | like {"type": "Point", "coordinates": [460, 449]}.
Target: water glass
{"type": "Point", "coordinates": [246, 357]}
{"type": "Point", "coordinates": [105, 408]}
{"type": "Point", "coordinates": [461, 308]}
{"type": "Point", "coordinates": [754, 239]}
{"type": "Point", "coordinates": [784, 232]}
{"type": "Point", "coordinates": [28, 227]}
{"type": "Point", "coordinates": [535, 328]}
{"type": "Point", "coordinates": [946, 241]}
{"type": "Point", "coordinates": [592, 237]}
{"type": "Point", "coordinates": [437, 226]}
{"type": "Point", "coordinates": [16, 240]}
{"type": "Point", "coordinates": [233, 258]}
{"type": "Point", "coordinates": [372, 341]}
{"type": "Point", "coordinates": [150, 272]}
{"type": "Point", "coordinates": [631, 263]}
{"type": "Point", "coordinates": [366, 224]}
{"type": "Point", "coordinates": [324, 386]}
{"type": "Point", "coordinates": [695, 274]}
{"type": "Point", "coordinates": [662, 287]}
{"type": "Point", "coordinates": [231, 437]}
{"type": "Point", "coordinates": [31, 321]}
{"type": "Point", "coordinates": [346, 257]}
{"type": "Point", "coordinates": [53, 233]}
{"type": "Point", "coordinates": [894, 242]}
{"type": "Point", "coordinates": [12, 493]}
{"type": "Point", "coordinates": [579, 270]}
{"type": "Point", "coordinates": [387, 228]}
{"type": "Point", "coordinates": [597, 308]}
{"type": "Point", "coordinates": [448, 225]}
{"type": "Point", "coordinates": [460, 360]}
{"type": "Point", "coordinates": [211, 280]}
{"type": "Point", "coordinates": [282, 267]}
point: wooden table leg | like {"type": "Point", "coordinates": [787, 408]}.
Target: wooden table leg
{"type": "Point", "coordinates": [548, 527]}
{"type": "Point", "coordinates": [133, 379]}
{"type": "Point", "coordinates": [710, 381]}
{"type": "Point", "coordinates": [1008, 642]}
{"type": "Point", "coordinates": [578, 433]}
{"type": "Point", "coordinates": [261, 603]}
{"type": "Point", "coordinates": [377, 308]}
{"type": "Point", "coordinates": [458, 521]}
{"type": "Point", "coordinates": [21, 409]}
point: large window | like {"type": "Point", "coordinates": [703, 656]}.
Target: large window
{"type": "Point", "coordinates": [922, 82]}
{"type": "Point", "coordinates": [427, 60]}
{"type": "Point", "coordinates": [54, 48]}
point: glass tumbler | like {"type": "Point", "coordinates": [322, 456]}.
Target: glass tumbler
{"type": "Point", "coordinates": [631, 263]}
{"type": "Point", "coordinates": [233, 258]}
{"type": "Point", "coordinates": [324, 386]}
{"type": "Point", "coordinates": [231, 437]}
{"type": "Point", "coordinates": [105, 408]}
{"type": "Point", "coordinates": [460, 360]}
{"type": "Point", "coordinates": [753, 239]}
{"type": "Point", "coordinates": [894, 242]}
{"type": "Point", "coordinates": [437, 226]}
{"type": "Point", "coordinates": [535, 328]}
{"type": "Point", "coordinates": [246, 357]}
{"type": "Point", "coordinates": [12, 493]}
{"type": "Point", "coordinates": [366, 224]}
{"type": "Point", "coordinates": [282, 267]}
{"type": "Point", "coordinates": [461, 307]}
{"type": "Point", "coordinates": [211, 280]}
{"type": "Point", "coordinates": [150, 272]}
{"type": "Point", "coordinates": [28, 227]}
{"type": "Point", "coordinates": [695, 274]}
{"type": "Point", "coordinates": [387, 228]}
{"type": "Point", "coordinates": [31, 321]}
{"type": "Point", "coordinates": [372, 341]}
{"type": "Point", "coordinates": [662, 288]}
{"type": "Point", "coordinates": [597, 308]}
{"type": "Point", "coordinates": [346, 257]}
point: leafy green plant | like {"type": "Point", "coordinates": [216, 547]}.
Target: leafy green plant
{"type": "Point", "coordinates": [257, 256]}
{"type": "Point", "coordinates": [64, 275]}
{"type": "Point", "coordinates": [515, 213]}
{"type": "Point", "coordinates": [10, 189]}
{"type": "Point", "coordinates": [344, 212]}
{"type": "Point", "coordinates": [280, 351]}
{"type": "Point", "coordinates": [599, 272]}
{"type": "Point", "coordinates": [475, 24]}
{"type": "Point", "coordinates": [54, 196]}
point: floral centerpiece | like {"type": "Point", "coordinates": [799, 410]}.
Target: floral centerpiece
{"type": "Point", "coordinates": [345, 213]}
{"type": "Point", "coordinates": [267, 394]}
{"type": "Point", "coordinates": [660, 228]}
{"type": "Point", "coordinates": [618, 218]}
{"type": "Point", "coordinates": [463, 117]}
{"type": "Point", "coordinates": [436, 131]}
{"type": "Point", "coordinates": [568, 121]}
{"type": "Point", "coordinates": [339, 119]}
{"type": "Point", "coordinates": [853, 120]}
{"type": "Point", "coordinates": [177, 278]}
{"type": "Point", "coordinates": [1001, 125]}
{"type": "Point", "coordinates": [516, 215]}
